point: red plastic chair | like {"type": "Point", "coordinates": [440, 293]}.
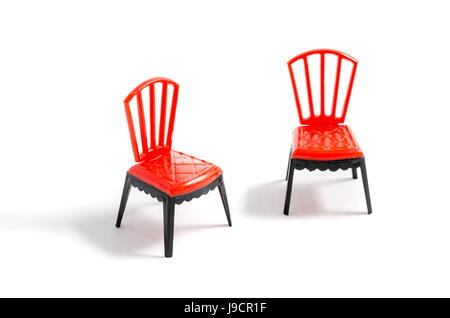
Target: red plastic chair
{"type": "Point", "coordinates": [168, 175]}
{"type": "Point", "coordinates": [322, 142]}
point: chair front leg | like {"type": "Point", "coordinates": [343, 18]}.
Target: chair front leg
{"type": "Point", "coordinates": [123, 201]}
{"type": "Point", "coordinates": [223, 195]}
{"type": "Point", "coordinates": [169, 219]}
{"type": "Point", "coordinates": [289, 164]}
{"type": "Point", "coordinates": [366, 185]}
{"type": "Point", "coordinates": [287, 202]}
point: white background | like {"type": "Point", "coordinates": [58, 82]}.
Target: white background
{"type": "Point", "coordinates": [65, 69]}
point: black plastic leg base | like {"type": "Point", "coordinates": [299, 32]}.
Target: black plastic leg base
{"type": "Point", "coordinates": [169, 204]}
{"type": "Point", "coordinates": [311, 165]}
{"type": "Point", "coordinates": [223, 195]}
{"type": "Point", "coordinates": [289, 164]}
{"type": "Point", "coordinates": [169, 221]}
{"type": "Point", "coordinates": [123, 201]}
{"type": "Point", "coordinates": [287, 201]}
{"type": "Point", "coordinates": [354, 173]}
{"type": "Point", "coordinates": [366, 186]}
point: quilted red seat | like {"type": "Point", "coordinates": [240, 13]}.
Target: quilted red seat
{"type": "Point", "coordinates": [332, 142]}
{"type": "Point", "coordinates": [174, 172]}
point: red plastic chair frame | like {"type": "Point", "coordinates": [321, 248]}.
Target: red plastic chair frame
{"type": "Point", "coordinates": [322, 119]}
{"type": "Point", "coordinates": [164, 141]}
{"type": "Point", "coordinates": [162, 121]}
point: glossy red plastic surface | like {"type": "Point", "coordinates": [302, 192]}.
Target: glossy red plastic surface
{"type": "Point", "coordinates": [333, 142]}
{"type": "Point", "coordinates": [323, 138]}
{"type": "Point", "coordinates": [322, 118]}
{"type": "Point", "coordinates": [168, 170]}
{"type": "Point", "coordinates": [174, 172]}
{"type": "Point", "coordinates": [162, 141]}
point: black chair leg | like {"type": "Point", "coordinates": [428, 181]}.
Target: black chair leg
{"type": "Point", "coordinates": [366, 185]}
{"type": "Point", "coordinates": [223, 195]}
{"type": "Point", "coordinates": [354, 173]}
{"type": "Point", "coordinates": [123, 201]}
{"type": "Point", "coordinates": [287, 202]}
{"type": "Point", "coordinates": [169, 218]}
{"type": "Point", "coordinates": [289, 164]}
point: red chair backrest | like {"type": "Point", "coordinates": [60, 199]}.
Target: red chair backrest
{"type": "Point", "coordinates": [165, 139]}
{"type": "Point", "coordinates": [322, 118]}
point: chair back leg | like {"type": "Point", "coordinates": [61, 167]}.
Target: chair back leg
{"type": "Point", "coordinates": [123, 201]}
{"type": "Point", "coordinates": [354, 173]}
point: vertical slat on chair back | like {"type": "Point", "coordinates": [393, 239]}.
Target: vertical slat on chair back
{"type": "Point", "coordinates": [152, 116]}
{"type": "Point", "coordinates": [322, 118]}
{"type": "Point", "coordinates": [164, 138]}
